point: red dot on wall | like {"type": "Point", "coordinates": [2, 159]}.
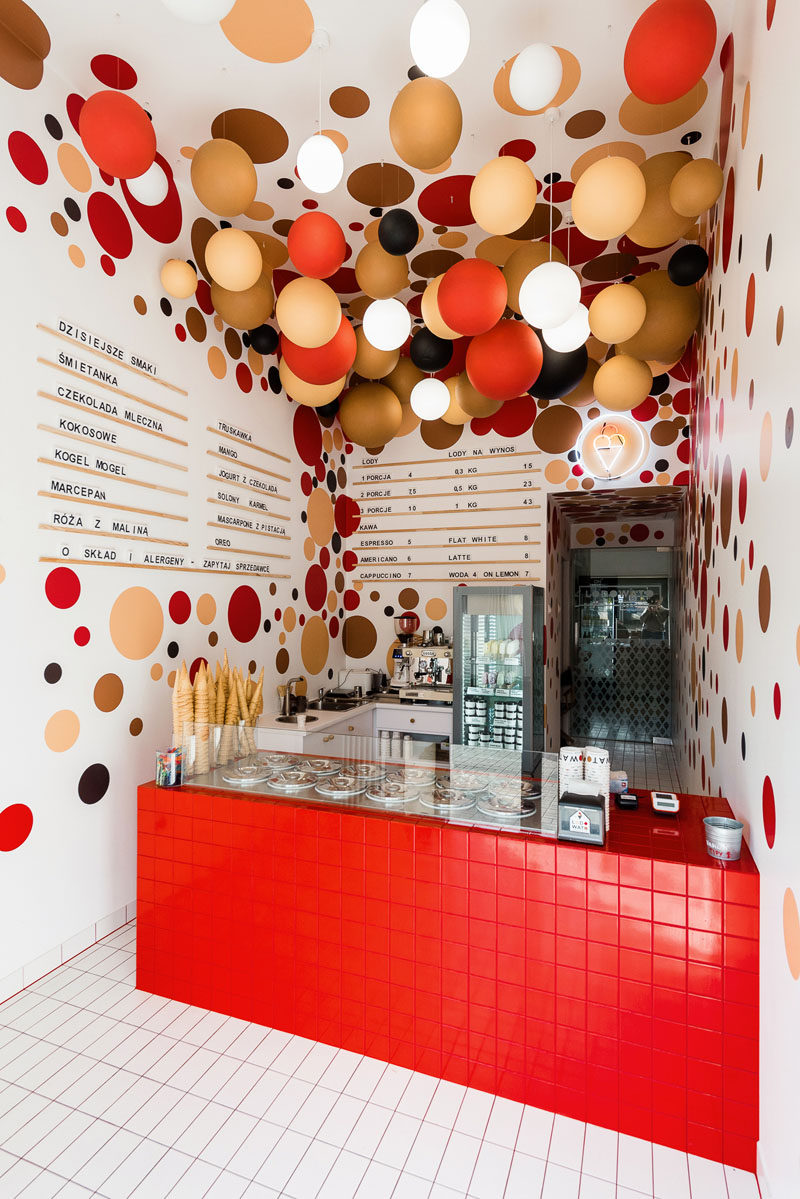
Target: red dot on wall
{"type": "Point", "coordinates": [244, 613]}
{"type": "Point", "coordinates": [180, 607]}
{"type": "Point", "coordinates": [306, 485]}
{"type": "Point", "coordinates": [62, 587]}
{"type": "Point", "coordinates": [351, 600]}
{"type": "Point", "coordinates": [639, 532]}
{"type": "Point", "coordinates": [16, 220]}
{"type": "Point", "coordinates": [776, 701]}
{"type": "Point", "coordinates": [16, 822]}
{"type": "Point", "coordinates": [768, 810]}
{"type": "Point", "coordinates": [180, 333]}
{"type": "Point", "coordinates": [81, 635]}
{"type": "Point", "coordinates": [108, 265]}
{"type": "Point", "coordinates": [244, 378]}
{"type": "Point", "coordinates": [27, 157]}
{"type": "Point", "coordinates": [195, 666]}
{"type": "Point", "coordinates": [324, 557]}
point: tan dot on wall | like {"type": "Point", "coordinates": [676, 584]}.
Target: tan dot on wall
{"type": "Point", "coordinates": [584, 536]}
{"type": "Point", "coordinates": [171, 679]}
{"type": "Point", "coordinates": [556, 472]}
{"type": "Point", "coordinates": [327, 441]}
{"type": "Point", "coordinates": [752, 701]}
{"type": "Point", "coordinates": [436, 609]}
{"type": "Point", "coordinates": [60, 225]}
{"type": "Point", "coordinates": [309, 549]}
{"type": "Point", "coordinates": [74, 167]}
{"type": "Point", "coordinates": [739, 635]}
{"type": "Point", "coordinates": [779, 326]}
{"type": "Point", "coordinates": [76, 256]}
{"type": "Point", "coordinates": [764, 599]}
{"type": "Point", "coordinates": [320, 516]}
{"type": "Point", "coordinates": [314, 644]}
{"type": "Point", "coordinates": [791, 933]}
{"type": "Point", "coordinates": [136, 622]}
{"type": "Point", "coordinates": [216, 362]}
{"type": "Point", "coordinates": [108, 692]}
{"type": "Point", "coordinates": [61, 731]}
{"type": "Point", "coordinates": [2, 574]}
{"type": "Point", "coordinates": [745, 114]}
{"type": "Point", "coordinates": [206, 608]}
{"type": "Point", "coordinates": [156, 671]}
{"type": "Point", "coordinates": [289, 619]}
{"type": "Point", "coordinates": [281, 638]}
{"type": "Point", "coordinates": [333, 602]}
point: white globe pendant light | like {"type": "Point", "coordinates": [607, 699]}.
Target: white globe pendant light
{"type": "Point", "coordinates": [571, 334]}
{"type": "Point", "coordinates": [439, 37]}
{"type": "Point", "coordinates": [535, 76]}
{"type": "Point", "coordinates": [320, 164]}
{"type": "Point", "coordinates": [151, 187]}
{"type": "Point", "coordinates": [430, 399]}
{"type": "Point", "coordinates": [199, 11]}
{"type": "Point", "coordinates": [549, 295]}
{"type": "Point", "coordinates": [387, 324]}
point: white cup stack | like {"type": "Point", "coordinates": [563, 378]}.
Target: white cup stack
{"type": "Point", "coordinates": [597, 770]}
{"type": "Point", "coordinates": [570, 767]}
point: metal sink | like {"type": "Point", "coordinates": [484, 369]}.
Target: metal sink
{"type": "Point", "coordinates": [332, 703]}
{"type": "Point", "coordinates": [293, 719]}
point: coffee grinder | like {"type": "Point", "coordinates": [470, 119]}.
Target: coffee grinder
{"type": "Point", "coordinates": [405, 627]}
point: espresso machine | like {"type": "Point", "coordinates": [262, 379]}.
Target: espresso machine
{"type": "Point", "coordinates": [423, 666]}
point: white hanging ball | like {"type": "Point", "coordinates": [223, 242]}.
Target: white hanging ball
{"type": "Point", "coordinates": [572, 334]}
{"type": "Point", "coordinates": [199, 11]}
{"type": "Point", "coordinates": [549, 295]}
{"type": "Point", "coordinates": [439, 37]}
{"type": "Point", "coordinates": [535, 76]}
{"type": "Point", "coordinates": [430, 399]}
{"type": "Point", "coordinates": [320, 164]}
{"type": "Point", "coordinates": [151, 187]}
{"type": "Point", "coordinates": [387, 324]}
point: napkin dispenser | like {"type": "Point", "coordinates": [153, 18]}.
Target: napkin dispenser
{"type": "Point", "coordinates": [581, 815]}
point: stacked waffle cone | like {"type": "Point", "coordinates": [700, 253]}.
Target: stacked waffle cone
{"type": "Point", "coordinates": [225, 698]}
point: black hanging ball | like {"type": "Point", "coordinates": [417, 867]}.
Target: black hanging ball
{"type": "Point", "coordinates": [560, 373]}
{"type": "Point", "coordinates": [687, 265]}
{"type": "Point", "coordinates": [398, 231]}
{"type": "Point", "coordinates": [430, 353]}
{"type": "Point", "coordinates": [264, 339]}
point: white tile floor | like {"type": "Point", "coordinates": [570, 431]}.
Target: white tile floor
{"type": "Point", "coordinates": [109, 1091]}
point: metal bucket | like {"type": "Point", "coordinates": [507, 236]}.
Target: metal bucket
{"type": "Point", "coordinates": [723, 838]}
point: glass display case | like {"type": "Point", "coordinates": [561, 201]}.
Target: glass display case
{"type": "Point", "coordinates": [498, 670]}
{"type": "Point", "coordinates": [481, 786]}
{"type": "Point", "coordinates": [608, 609]}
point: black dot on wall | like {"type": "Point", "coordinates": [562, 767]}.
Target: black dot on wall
{"type": "Point", "coordinates": [660, 383]}
{"type": "Point", "coordinates": [295, 593]}
{"type": "Point", "coordinates": [315, 482]}
{"type": "Point", "coordinates": [735, 548]}
{"type": "Point", "coordinates": [336, 543]}
{"type": "Point", "coordinates": [553, 177]}
{"type": "Point", "coordinates": [71, 209]}
{"type": "Point", "coordinates": [267, 625]}
{"type": "Point", "coordinates": [768, 254]}
{"type": "Point", "coordinates": [330, 479]}
{"type": "Point", "coordinates": [224, 224]}
{"type": "Point", "coordinates": [52, 672]}
{"type": "Point", "coordinates": [788, 432]}
{"type": "Point", "coordinates": [93, 783]}
{"type": "Point", "coordinates": [341, 614]}
{"type": "Point", "coordinates": [744, 747]}
{"type": "Point", "coordinates": [246, 340]}
{"type": "Point", "coordinates": [324, 457]}
{"type": "Point", "coordinates": [690, 138]}
{"type": "Point", "coordinates": [628, 278]}
{"type": "Point", "coordinates": [376, 212]}
{"type": "Point", "coordinates": [53, 127]}
{"type": "Point", "coordinates": [662, 464]}
{"type": "Point", "coordinates": [274, 380]}
{"type": "Point", "coordinates": [286, 184]}
{"type": "Point", "coordinates": [415, 72]}
{"type": "Point", "coordinates": [304, 515]}
{"type": "Point", "coordinates": [165, 306]}
{"type": "Point", "coordinates": [388, 610]}
{"type": "Point", "coordinates": [600, 541]}
{"type": "Point", "coordinates": [251, 666]}
{"type": "Point", "coordinates": [572, 456]}
{"type": "Point", "coordinates": [739, 250]}
{"type": "Point", "coordinates": [686, 431]}
{"type": "Point", "coordinates": [330, 672]}
{"type": "Point", "coordinates": [172, 649]}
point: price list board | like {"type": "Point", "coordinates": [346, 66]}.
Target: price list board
{"type": "Point", "coordinates": [130, 477]}
{"type": "Point", "coordinates": [469, 516]}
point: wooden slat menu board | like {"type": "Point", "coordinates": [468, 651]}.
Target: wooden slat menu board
{"type": "Point", "coordinates": [468, 515]}
{"type": "Point", "coordinates": [133, 475]}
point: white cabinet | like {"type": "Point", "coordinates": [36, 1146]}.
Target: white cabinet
{"type": "Point", "coordinates": [355, 724]}
{"type": "Point", "coordinates": [419, 720]}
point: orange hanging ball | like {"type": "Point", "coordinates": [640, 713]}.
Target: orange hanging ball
{"type": "Point", "coordinates": [472, 296]}
{"type": "Point", "coordinates": [504, 362]}
{"type": "Point", "coordinates": [327, 363]}
{"type": "Point", "coordinates": [117, 134]}
{"type": "Point", "coordinates": [669, 49]}
{"type": "Point", "coordinates": [316, 245]}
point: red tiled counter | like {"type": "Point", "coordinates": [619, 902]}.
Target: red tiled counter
{"type": "Point", "coordinates": [615, 985]}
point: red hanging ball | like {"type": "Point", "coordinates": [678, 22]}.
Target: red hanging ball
{"type": "Point", "coordinates": [316, 245]}
{"type": "Point", "coordinates": [472, 296]}
{"type": "Point", "coordinates": [117, 134]}
{"type": "Point", "coordinates": [327, 363]}
{"type": "Point", "coordinates": [504, 362]}
{"type": "Point", "coordinates": [669, 49]}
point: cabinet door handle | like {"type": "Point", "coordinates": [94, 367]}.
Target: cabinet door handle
{"type": "Point", "coordinates": [413, 720]}
{"type": "Point", "coordinates": [350, 728]}
{"type": "Point", "coordinates": [328, 738]}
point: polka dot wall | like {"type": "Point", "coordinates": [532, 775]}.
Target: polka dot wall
{"type": "Point", "coordinates": [740, 643]}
